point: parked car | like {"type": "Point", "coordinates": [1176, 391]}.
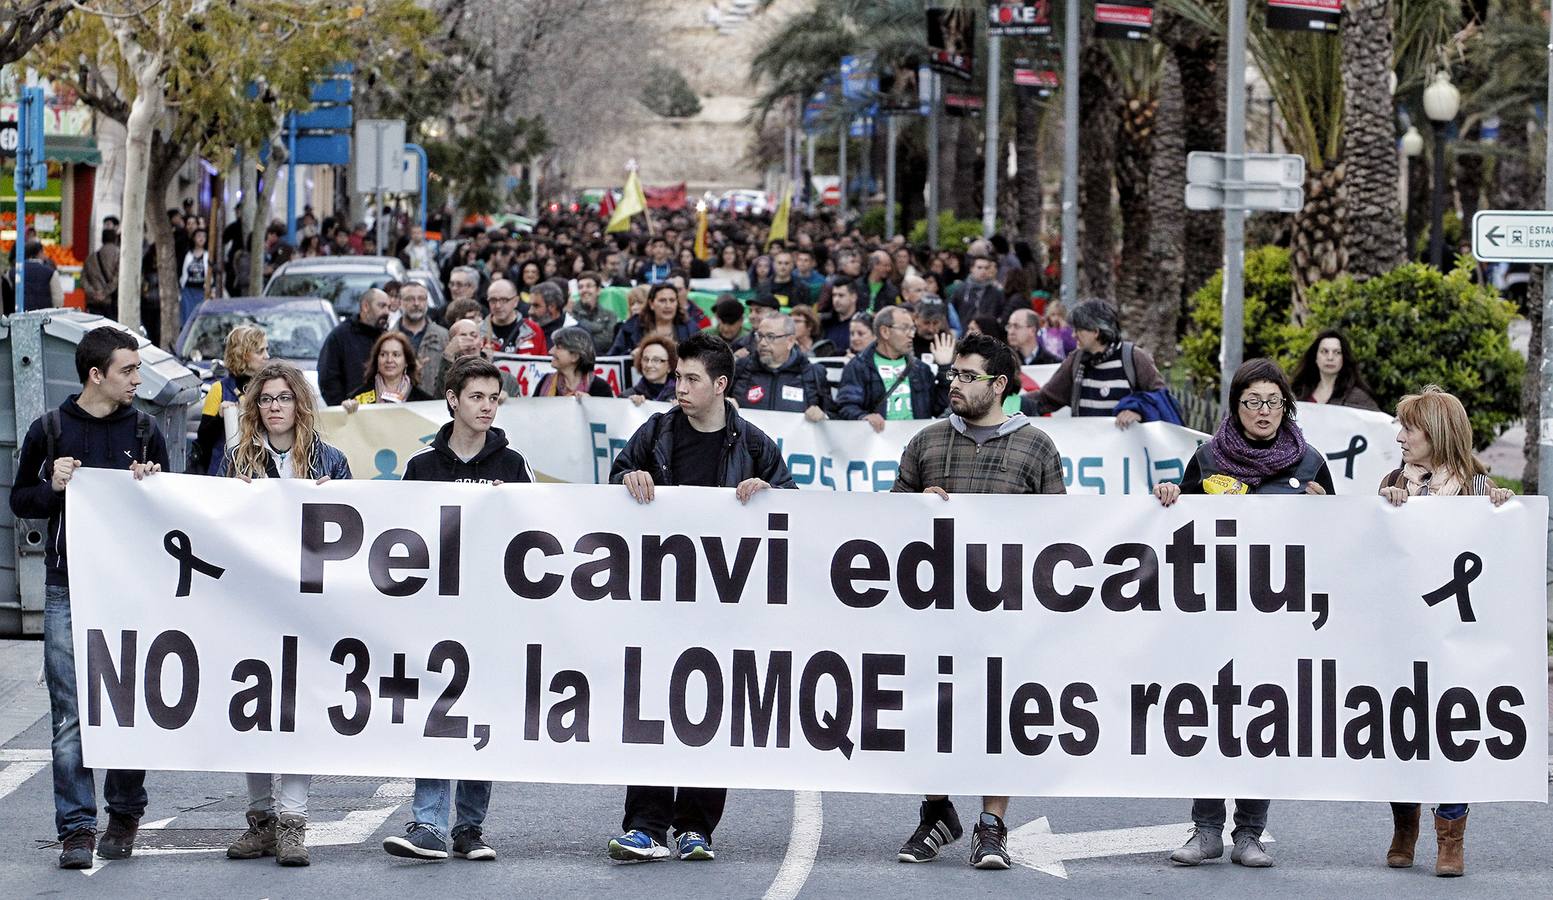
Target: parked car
{"type": "Point", "coordinates": [341, 280]}
{"type": "Point", "coordinates": [296, 327]}
{"type": "Point", "coordinates": [745, 203]}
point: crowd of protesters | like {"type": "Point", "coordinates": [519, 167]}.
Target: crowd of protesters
{"type": "Point", "coordinates": [924, 335]}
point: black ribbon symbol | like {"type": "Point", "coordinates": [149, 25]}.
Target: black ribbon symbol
{"type": "Point", "coordinates": [1468, 567]}
{"type": "Point", "coordinates": [1356, 446]}
{"type": "Point", "coordinates": [176, 543]}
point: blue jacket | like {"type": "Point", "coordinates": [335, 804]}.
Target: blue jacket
{"type": "Point", "coordinates": [325, 460]}
{"type": "Point", "coordinates": [755, 386]}
{"type": "Point", "coordinates": [862, 390]}
{"type": "Point", "coordinates": [1153, 406]}
{"type": "Point", "coordinates": [114, 441]}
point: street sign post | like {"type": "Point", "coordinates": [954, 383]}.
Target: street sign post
{"type": "Point", "coordinates": [32, 174]}
{"type": "Point", "coordinates": [378, 158]}
{"type": "Point", "coordinates": [1507, 235]}
{"type": "Point", "coordinates": [1266, 181]}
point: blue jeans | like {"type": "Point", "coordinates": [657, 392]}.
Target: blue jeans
{"type": "Point", "coordinates": [75, 793]}
{"type": "Point", "coordinates": [430, 806]}
{"type": "Point", "coordinates": [1450, 812]}
{"type": "Point", "coordinates": [1250, 816]}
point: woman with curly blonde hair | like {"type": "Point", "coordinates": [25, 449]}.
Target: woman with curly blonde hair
{"type": "Point", "coordinates": [247, 350]}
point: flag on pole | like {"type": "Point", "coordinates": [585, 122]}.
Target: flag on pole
{"type": "Point", "coordinates": [634, 201]}
{"type": "Point", "coordinates": [607, 206]}
{"type": "Point", "coordinates": [779, 221]}
{"type": "Point", "coordinates": [701, 251]}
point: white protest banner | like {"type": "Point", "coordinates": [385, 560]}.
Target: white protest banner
{"type": "Point", "coordinates": [576, 441]}
{"type": "Point", "coordinates": [1360, 445]}
{"type": "Point", "coordinates": [1317, 648]}
{"type": "Point", "coordinates": [527, 370]}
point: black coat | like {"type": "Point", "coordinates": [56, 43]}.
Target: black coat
{"type": "Point", "coordinates": [747, 453]}
{"type": "Point", "coordinates": [757, 387]}
{"type": "Point", "coordinates": [342, 360]}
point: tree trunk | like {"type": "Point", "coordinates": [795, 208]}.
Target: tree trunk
{"type": "Point", "coordinates": [1153, 317]}
{"type": "Point", "coordinates": [144, 112]}
{"type": "Point", "coordinates": [1097, 164]}
{"type": "Point", "coordinates": [1199, 57]}
{"type": "Point", "coordinates": [1531, 385]}
{"type": "Point", "coordinates": [1518, 185]}
{"type": "Point", "coordinates": [256, 237]}
{"type": "Point", "coordinates": [1027, 176]}
{"type": "Point", "coordinates": [967, 169]}
{"type": "Point", "coordinates": [164, 168]}
{"type": "Point", "coordinates": [1418, 175]}
{"type": "Point", "coordinates": [1372, 226]}
{"type": "Point", "coordinates": [1469, 189]}
{"type": "Point", "coordinates": [1135, 145]}
{"type": "Point", "coordinates": [1317, 246]}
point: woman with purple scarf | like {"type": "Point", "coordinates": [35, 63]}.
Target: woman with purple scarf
{"type": "Point", "coordinates": [1257, 450]}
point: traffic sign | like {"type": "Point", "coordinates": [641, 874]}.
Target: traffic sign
{"type": "Point", "coordinates": [10, 137]}
{"type": "Point", "coordinates": [378, 152]}
{"type": "Point", "coordinates": [1271, 182]}
{"type": "Point", "coordinates": [1280, 169]}
{"type": "Point", "coordinates": [1266, 198]}
{"type": "Point", "coordinates": [1508, 235]}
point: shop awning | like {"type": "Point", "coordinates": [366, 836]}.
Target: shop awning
{"type": "Point", "coordinates": [72, 148]}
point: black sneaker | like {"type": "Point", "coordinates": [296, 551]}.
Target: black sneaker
{"type": "Point", "coordinates": [940, 826]}
{"type": "Point", "coordinates": [467, 844]}
{"type": "Point", "coordinates": [419, 842]}
{"type": "Point", "coordinates": [118, 841]}
{"type": "Point", "coordinates": [75, 851]}
{"type": "Point", "coordinates": [989, 843]}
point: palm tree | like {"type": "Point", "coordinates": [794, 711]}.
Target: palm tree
{"type": "Point", "coordinates": [1374, 232]}
{"type": "Point", "coordinates": [1096, 165]}
{"type": "Point", "coordinates": [1197, 55]}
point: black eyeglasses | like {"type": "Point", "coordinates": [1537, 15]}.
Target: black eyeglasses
{"type": "Point", "coordinates": [1256, 403]}
{"type": "Point", "coordinates": [967, 377]}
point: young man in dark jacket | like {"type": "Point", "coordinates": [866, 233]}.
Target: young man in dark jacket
{"type": "Point", "coordinates": [700, 442]}
{"type": "Point", "coordinates": [467, 449]}
{"type": "Point", "coordinates": [97, 428]}
{"type": "Point", "coordinates": [777, 376]}
{"type": "Point", "coordinates": [886, 382]}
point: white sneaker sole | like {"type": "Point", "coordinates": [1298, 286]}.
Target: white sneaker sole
{"type": "Point", "coordinates": [398, 846]}
{"type": "Point", "coordinates": [485, 855]}
{"type": "Point", "coordinates": [991, 862]}
{"type": "Point", "coordinates": [621, 852]}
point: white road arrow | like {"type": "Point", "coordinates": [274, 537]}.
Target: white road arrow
{"type": "Point", "coordinates": [1034, 846]}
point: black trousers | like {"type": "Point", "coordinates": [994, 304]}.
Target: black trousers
{"type": "Point", "coordinates": [655, 809]}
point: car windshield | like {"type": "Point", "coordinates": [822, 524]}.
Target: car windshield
{"type": "Point", "coordinates": [342, 290]}
{"type": "Point", "coordinates": [293, 333]}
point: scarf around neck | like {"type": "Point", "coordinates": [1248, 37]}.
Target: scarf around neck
{"type": "Point", "coordinates": [1238, 457]}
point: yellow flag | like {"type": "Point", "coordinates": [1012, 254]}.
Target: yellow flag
{"type": "Point", "coordinates": [632, 202]}
{"type": "Point", "coordinates": [779, 221]}
{"type": "Point", "coordinates": [701, 251]}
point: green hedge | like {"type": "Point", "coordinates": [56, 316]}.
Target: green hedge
{"type": "Point", "coordinates": [953, 234]}
{"type": "Point", "coordinates": [1410, 327]}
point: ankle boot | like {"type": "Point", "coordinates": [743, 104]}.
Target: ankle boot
{"type": "Point", "coordinates": [1404, 835]}
{"type": "Point", "coordinates": [1449, 861]}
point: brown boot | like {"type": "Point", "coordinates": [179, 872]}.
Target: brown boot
{"type": "Point", "coordinates": [1449, 862]}
{"type": "Point", "coordinates": [1404, 835]}
{"type": "Point", "coordinates": [258, 840]}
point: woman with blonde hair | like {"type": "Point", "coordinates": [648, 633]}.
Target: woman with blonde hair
{"type": "Point", "coordinates": [277, 438]}
{"type": "Point", "coordinates": [247, 351]}
{"type": "Point", "coordinates": [1437, 461]}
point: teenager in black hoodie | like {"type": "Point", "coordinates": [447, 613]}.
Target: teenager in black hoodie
{"type": "Point", "coordinates": [97, 428]}
{"type": "Point", "coordinates": [466, 449]}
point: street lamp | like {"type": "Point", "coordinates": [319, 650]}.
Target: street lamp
{"type": "Point", "coordinates": [1441, 103]}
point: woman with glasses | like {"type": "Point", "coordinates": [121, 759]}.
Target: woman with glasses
{"type": "Point", "coordinates": [277, 438]}
{"type": "Point", "coordinates": [1258, 449]}
{"type": "Point", "coordinates": [656, 359]}
{"type": "Point", "coordinates": [1437, 461]}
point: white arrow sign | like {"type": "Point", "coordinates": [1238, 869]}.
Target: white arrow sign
{"type": "Point", "coordinates": [1034, 846]}
{"type": "Point", "coordinates": [1507, 235]}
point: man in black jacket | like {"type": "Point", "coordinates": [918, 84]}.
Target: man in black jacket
{"type": "Point", "coordinates": [980, 295]}
{"type": "Point", "coordinates": [97, 428]}
{"type": "Point", "coordinates": [342, 360]}
{"type": "Point", "coordinates": [467, 449]}
{"type": "Point", "coordinates": [700, 442]}
{"type": "Point", "coordinates": [777, 376]}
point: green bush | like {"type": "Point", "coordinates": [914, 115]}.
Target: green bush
{"type": "Point", "coordinates": [1269, 291]}
{"type": "Point", "coordinates": [953, 234]}
{"type": "Point", "coordinates": [665, 92]}
{"type": "Point", "coordinates": [1415, 326]}
{"type": "Point", "coordinates": [871, 223]}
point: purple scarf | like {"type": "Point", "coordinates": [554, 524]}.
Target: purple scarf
{"type": "Point", "coordinates": [1237, 457]}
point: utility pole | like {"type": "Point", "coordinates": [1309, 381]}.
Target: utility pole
{"type": "Point", "coordinates": [989, 188]}
{"type": "Point", "coordinates": [841, 167]}
{"type": "Point", "coordinates": [889, 176]}
{"type": "Point", "coordinates": [1232, 338]}
{"type": "Point", "coordinates": [932, 161]}
{"type": "Point", "coordinates": [1070, 155]}
{"type": "Point", "coordinates": [1545, 412]}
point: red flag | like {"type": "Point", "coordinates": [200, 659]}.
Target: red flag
{"type": "Point", "coordinates": [607, 205]}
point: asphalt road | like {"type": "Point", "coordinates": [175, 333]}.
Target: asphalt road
{"type": "Point", "coordinates": [550, 840]}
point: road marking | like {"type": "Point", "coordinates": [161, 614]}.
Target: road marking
{"type": "Point", "coordinates": [1034, 846]}
{"type": "Point", "coordinates": [803, 845]}
{"type": "Point", "coordinates": [20, 766]}
{"type": "Point", "coordinates": [355, 828]}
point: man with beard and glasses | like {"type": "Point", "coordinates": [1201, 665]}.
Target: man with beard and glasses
{"type": "Point", "coordinates": [976, 450]}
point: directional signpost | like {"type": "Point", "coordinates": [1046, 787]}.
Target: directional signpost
{"type": "Point", "coordinates": [1503, 235]}
{"type": "Point", "coordinates": [1267, 181]}
{"type": "Point", "coordinates": [31, 175]}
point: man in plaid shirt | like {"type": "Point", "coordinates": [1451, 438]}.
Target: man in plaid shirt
{"type": "Point", "coordinates": [977, 450]}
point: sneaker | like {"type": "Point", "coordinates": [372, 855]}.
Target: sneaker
{"type": "Point", "coordinates": [989, 843]}
{"type": "Point", "coordinates": [694, 847]}
{"type": "Point", "coordinates": [76, 849]}
{"type": "Point", "coordinates": [940, 827]}
{"type": "Point", "coordinates": [291, 840]}
{"type": "Point", "coordinates": [467, 844]}
{"type": "Point", "coordinates": [1250, 853]}
{"type": "Point", "coordinates": [1200, 845]}
{"type": "Point", "coordinates": [420, 841]}
{"type": "Point", "coordinates": [636, 846]}
{"type": "Point", "coordinates": [118, 841]}
{"type": "Point", "coordinates": [257, 841]}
